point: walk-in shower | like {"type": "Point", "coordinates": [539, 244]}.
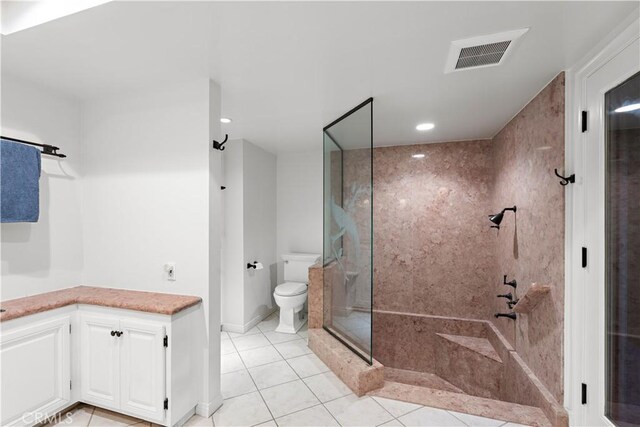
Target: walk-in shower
{"type": "Point", "coordinates": [417, 278]}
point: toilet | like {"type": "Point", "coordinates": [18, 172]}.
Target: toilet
{"type": "Point", "coordinates": [292, 294]}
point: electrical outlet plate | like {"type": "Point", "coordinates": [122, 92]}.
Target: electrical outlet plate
{"type": "Point", "coordinates": [170, 269]}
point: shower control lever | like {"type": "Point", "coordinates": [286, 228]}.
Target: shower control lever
{"type": "Point", "coordinates": [509, 315]}
{"type": "Point", "coordinates": [507, 296]}
{"type": "Point", "coordinates": [512, 283]}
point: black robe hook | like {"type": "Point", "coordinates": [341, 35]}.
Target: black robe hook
{"type": "Point", "coordinates": [220, 145]}
{"type": "Point", "coordinates": [571, 179]}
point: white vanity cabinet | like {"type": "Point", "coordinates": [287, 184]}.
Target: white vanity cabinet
{"type": "Point", "coordinates": [143, 364]}
{"type": "Point", "coordinates": [35, 357]}
{"type": "Point", "coordinates": [122, 363]}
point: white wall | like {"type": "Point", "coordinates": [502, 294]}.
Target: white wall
{"type": "Point", "coordinates": [233, 261]}
{"type": "Point", "coordinates": [249, 235]}
{"type": "Point", "coordinates": [299, 204]}
{"type": "Point", "coordinates": [47, 255]}
{"type": "Point", "coordinates": [149, 181]}
{"type": "Point", "coordinates": [260, 229]}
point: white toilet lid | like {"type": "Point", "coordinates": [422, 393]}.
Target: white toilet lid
{"type": "Point", "coordinates": [289, 289]}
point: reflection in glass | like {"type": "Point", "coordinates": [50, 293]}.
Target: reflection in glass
{"type": "Point", "coordinates": [348, 150]}
{"type": "Point", "coordinates": [623, 254]}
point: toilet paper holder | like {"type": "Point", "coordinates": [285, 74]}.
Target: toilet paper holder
{"type": "Point", "coordinates": [255, 265]}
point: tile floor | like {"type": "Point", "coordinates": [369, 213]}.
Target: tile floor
{"type": "Point", "coordinates": [273, 379]}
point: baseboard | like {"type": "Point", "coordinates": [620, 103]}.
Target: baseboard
{"type": "Point", "coordinates": [241, 329]}
{"type": "Point", "coordinates": [207, 409]}
{"type": "Point", "coordinates": [182, 421]}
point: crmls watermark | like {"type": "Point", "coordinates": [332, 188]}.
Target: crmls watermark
{"type": "Point", "coordinates": [44, 418]}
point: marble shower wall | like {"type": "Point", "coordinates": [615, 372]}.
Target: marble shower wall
{"type": "Point", "coordinates": [433, 249]}
{"type": "Point", "coordinates": [530, 245]}
{"type": "Point", "coordinates": [434, 252]}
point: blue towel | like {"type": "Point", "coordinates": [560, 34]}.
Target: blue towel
{"type": "Point", "coordinates": [19, 184]}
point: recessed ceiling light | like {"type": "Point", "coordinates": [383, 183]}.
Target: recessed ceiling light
{"type": "Point", "coordinates": [425, 126]}
{"type": "Point", "coordinates": [225, 120]}
{"type": "Point", "coordinates": [418, 156]}
{"type": "Point", "coordinates": [627, 108]}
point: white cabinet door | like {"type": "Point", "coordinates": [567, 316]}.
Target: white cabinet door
{"type": "Point", "coordinates": [35, 371]}
{"type": "Point", "coordinates": [99, 359]}
{"type": "Point", "coordinates": [142, 364]}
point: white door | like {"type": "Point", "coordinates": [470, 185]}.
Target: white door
{"type": "Point", "coordinates": [99, 359]}
{"type": "Point", "coordinates": [611, 311]}
{"type": "Point", "coordinates": [35, 364]}
{"type": "Point", "coordinates": [142, 364]}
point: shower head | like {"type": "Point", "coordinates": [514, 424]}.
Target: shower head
{"type": "Point", "coordinates": [497, 218]}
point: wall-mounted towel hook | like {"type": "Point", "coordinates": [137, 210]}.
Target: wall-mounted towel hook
{"type": "Point", "coordinates": [571, 179]}
{"type": "Point", "coordinates": [220, 145]}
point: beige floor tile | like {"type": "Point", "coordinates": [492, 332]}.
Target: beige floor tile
{"type": "Point", "coordinates": [272, 374]}
{"type": "Point", "coordinates": [236, 383]}
{"type": "Point", "coordinates": [246, 410]}
{"type": "Point", "coordinates": [315, 416]}
{"type": "Point", "coordinates": [430, 417]}
{"type": "Point", "coordinates": [104, 418]}
{"type": "Point", "coordinates": [327, 386]}
{"type": "Point", "coordinates": [292, 349]}
{"type": "Point", "coordinates": [397, 408]}
{"type": "Point", "coordinates": [287, 398]}
{"type": "Point", "coordinates": [352, 410]}
{"type": "Point", "coordinates": [475, 421]}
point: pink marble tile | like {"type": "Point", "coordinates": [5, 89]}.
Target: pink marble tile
{"type": "Point", "coordinates": [532, 298]}
{"type": "Point", "coordinates": [421, 379]}
{"type": "Point", "coordinates": [428, 230]}
{"type": "Point", "coordinates": [358, 375]}
{"type": "Point", "coordinates": [522, 414]}
{"type": "Point", "coordinates": [315, 296]}
{"type": "Point", "coordinates": [151, 302]}
{"type": "Point", "coordinates": [530, 245]}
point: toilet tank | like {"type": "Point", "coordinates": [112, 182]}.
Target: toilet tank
{"type": "Point", "coordinates": [296, 266]}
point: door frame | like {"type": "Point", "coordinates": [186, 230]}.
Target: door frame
{"type": "Point", "coordinates": [576, 204]}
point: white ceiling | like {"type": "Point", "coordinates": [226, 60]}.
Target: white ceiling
{"type": "Point", "coordinates": [288, 69]}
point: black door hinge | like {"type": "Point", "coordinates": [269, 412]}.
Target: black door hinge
{"type": "Point", "coordinates": [584, 394]}
{"type": "Point", "coordinates": [166, 403]}
{"type": "Point", "coordinates": [165, 341]}
{"type": "Point", "coordinates": [584, 257]}
{"type": "Point", "coordinates": [70, 386]}
{"type": "Point", "coordinates": [584, 119]}
{"type": "Point", "coordinates": [69, 327]}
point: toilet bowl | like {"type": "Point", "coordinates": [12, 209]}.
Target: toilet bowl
{"type": "Point", "coordinates": [292, 294]}
{"type": "Point", "coordinates": [290, 297]}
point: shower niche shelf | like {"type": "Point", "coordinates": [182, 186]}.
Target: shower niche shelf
{"type": "Point", "coordinates": [532, 298]}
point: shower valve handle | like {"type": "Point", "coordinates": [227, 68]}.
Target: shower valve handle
{"type": "Point", "coordinates": [512, 283]}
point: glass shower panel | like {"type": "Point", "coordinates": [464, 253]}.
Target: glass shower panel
{"type": "Point", "coordinates": [348, 235]}
{"type": "Point", "coordinates": [622, 286]}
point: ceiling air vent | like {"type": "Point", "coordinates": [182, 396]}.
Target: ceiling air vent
{"type": "Point", "coordinates": [483, 51]}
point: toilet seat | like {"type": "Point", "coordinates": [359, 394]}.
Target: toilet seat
{"type": "Point", "coordinates": [289, 289]}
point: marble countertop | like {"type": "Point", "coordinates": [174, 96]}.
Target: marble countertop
{"type": "Point", "coordinates": [150, 302]}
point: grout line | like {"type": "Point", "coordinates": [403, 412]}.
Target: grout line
{"type": "Point", "coordinates": [383, 408]}
{"type": "Point", "coordinates": [307, 385]}
{"type": "Point", "coordinates": [93, 408]}
{"type": "Point", "coordinates": [258, 391]}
